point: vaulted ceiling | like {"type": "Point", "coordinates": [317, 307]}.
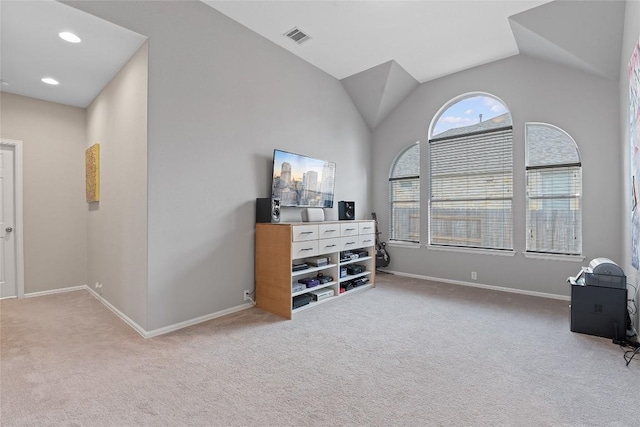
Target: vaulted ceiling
{"type": "Point", "coordinates": [380, 50]}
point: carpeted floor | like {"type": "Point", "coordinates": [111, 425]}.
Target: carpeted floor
{"type": "Point", "coordinates": [407, 353]}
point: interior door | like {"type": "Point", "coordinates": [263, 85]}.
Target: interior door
{"type": "Point", "coordinates": [8, 286]}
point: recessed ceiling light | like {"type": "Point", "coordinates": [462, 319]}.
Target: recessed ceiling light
{"type": "Point", "coordinates": [70, 37]}
{"type": "Point", "coordinates": [49, 81]}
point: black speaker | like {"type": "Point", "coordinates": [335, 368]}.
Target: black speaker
{"type": "Point", "coordinates": [267, 210]}
{"type": "Point", "coordinates": [346, 210]}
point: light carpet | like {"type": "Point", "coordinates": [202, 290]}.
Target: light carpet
{"type": "Point", "coordinates": [406, 353]}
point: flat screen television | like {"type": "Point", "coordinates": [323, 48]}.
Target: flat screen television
{"type": "Point", "coordinates": [302, 181]}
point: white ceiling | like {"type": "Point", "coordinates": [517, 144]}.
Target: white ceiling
{"type": "Point", "coordinates": [429, 39]}
{"type": "Point", "coordinates": [31, 49]}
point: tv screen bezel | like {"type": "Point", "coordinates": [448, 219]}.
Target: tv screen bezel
{"type": "Point", "coordinates": [285, 203]}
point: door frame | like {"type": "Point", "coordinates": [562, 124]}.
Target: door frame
{"type": "Point", "coordinates": [18, 227]}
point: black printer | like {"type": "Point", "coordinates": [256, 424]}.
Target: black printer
{"type": "Point", "coordinates": [599, 300]}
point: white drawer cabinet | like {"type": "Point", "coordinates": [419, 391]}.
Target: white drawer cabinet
{"type": "Point", "coordinates": [279, 246]}
{"type": "Point", "coordinates": [328, 231]}
{"type": "Point", "coordinates": [327, 246]}
{"type": "Point", "coordinates": [367, 227]}
{"type": "Point", "coordinates": [349, 228]}
{"type": "Point", "coordinates": [305, 249]}
{"type": "Point", "coordinates": [305, 232]}
{"type": "Point", "coordinates": [366, 240]}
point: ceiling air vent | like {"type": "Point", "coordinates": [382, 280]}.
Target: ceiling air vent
{"type": "Point", "coordinates": [297, 36]}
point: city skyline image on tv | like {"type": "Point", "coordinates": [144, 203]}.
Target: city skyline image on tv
{"type": "Point", "coordinates": [302, 181]}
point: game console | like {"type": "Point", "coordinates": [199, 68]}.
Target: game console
{"type": "Point", "coordinates": [324, 279]}
{"type": "Point", "coordinates": [346, 286]}
{"type": "Point", "coordinates": [297, 287]}
{"type": "Point", "coordinates": [355, 269]}
{"type": "Point", "coordinates": [310, 282]}
{"type": "Point", "coordinates": [348, 256]}
{"type": "Point", "coordinates": [301, 300]}
{"type": "Point", "coordinates": [317, 261]}
{"type": "Point", "coordinates": [359, 281]}
{"type": "Point", "coordinates": [298, 267]}
{"type": "Point", "coordinates": [320, 294]}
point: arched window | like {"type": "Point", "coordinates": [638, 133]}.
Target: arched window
{"type": "Point", "coordinates": [471, 174]}
{"type": "Point", "coordinates": [554, 189]}
{"type": "Point", "coordinates": [404, 196]}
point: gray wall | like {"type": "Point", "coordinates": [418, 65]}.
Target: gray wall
{"type": "Point", "coordinates": [55, 222]}
{"type": "Point", "coordinates": [221, 98]}
{"type": "Point", "coordinates": [117, 225]}
{"type": "Point", "coordinates": [630, 39]}
{"type": "Point", "coordinates": [585, 106]}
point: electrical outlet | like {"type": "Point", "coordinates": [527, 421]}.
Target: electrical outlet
{"type": "Point", "coordinates": [247, 295]}
{"type": "Point", "coordinates": [474, 275]}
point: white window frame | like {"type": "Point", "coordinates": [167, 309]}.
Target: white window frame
{"type": "Point", "coordinates": [462, 248]}
{"type": "Point", "coordinates": [392, 202]}
{"type": "Point", "coordinates": [566, 255]}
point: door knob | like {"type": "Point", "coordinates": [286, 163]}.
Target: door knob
{"type": "Point", "coordinates": [8, 229]}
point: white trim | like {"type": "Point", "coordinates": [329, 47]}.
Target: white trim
{"type": "Point", "coordinates": [139, 329]}
{"type": "Point", "coordinates": [554, 257]}
{"type": "Point", "coordinates": [471, 250]}
{"type": "Point", "coordinates": [54, 291]}
{"type": "Point", "coordinates": [118, 313]}
{"type": "Point", "coordinates": [398, 244]}
{"type": "Point", "coordinates": [526, 164]}
{"type": "Point", "coordinates": [18, 228]}
{"type": "Point", "coordinates": [479, 285]}
{"type": "Point", "coordinates": [164, 330]}
{"type": "Point", "coordinates": [191, 322]}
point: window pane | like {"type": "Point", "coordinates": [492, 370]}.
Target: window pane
{"type": "Point", "coordinates": [554, 226]}
{"type": "Point", "coordinates": [548, 145]}
{"type": "Point", "coordinates": [554, 207]}
{"type": "Point", "coordinates": [478, 224]}
{"type": "Point", "coordinates": [404, 196]}
{"type": "Point", "coordinates": [471, 178]}
{"type": "Point", "coordinates": [408, 164]}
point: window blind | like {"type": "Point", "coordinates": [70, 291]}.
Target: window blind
{"type": "Point", "coordinates": [404, 206]}
{"type": "Point", "coordinates": [404, 196]}
{"type": "Point", "coordinates": [471, 190]}
{"type": "Point", "coordinates": [554, 186]}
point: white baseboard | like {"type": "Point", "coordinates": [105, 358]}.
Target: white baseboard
{"type": "Point", "coordinates": [191, 322]}
{"type": "Point", "coordinates": [480, 285]}
{"type": "Point", "coordinates": [164, 330]}
{"type": "Point", "coordinates": [55, 291]}
{"type": "Point", "coordinates": [139, 329]}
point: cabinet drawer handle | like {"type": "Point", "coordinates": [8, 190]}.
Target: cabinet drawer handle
{"type": "Point", "coordinates": [330, 231]}
{"type": "Point", "coordinates": [350, 243]}
{"type": "Point", "coordinates": [306, 232]}
{"type": "Point", "coordinates": [330, 246]}
{"type": "Point", "coordinates": [349, 229]}
{"type": "Point", "coordinates": [366, 241]}
{"type": "Point", "coordinates": [306, 249]}
{"type": "Point", "coordinates": [366, 228]}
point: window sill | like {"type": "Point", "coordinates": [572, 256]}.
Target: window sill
{"type": "Point", "coordinates": [409, 245]}
{"type": "Point", "coordinates": [554, 257]}
{"type": "Point", "coordinates": [471, 250]}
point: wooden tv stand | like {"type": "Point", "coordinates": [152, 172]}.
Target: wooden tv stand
{"type": "Point", "coordinates": [279, 246]}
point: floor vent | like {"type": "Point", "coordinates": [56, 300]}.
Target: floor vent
{"type": "Point", "coordinates": [297, 36]}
